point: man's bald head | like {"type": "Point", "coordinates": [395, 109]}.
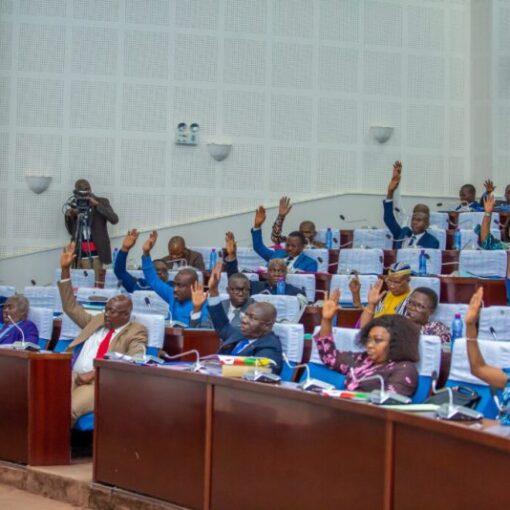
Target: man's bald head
{"type": "Point", "coordinates": [117, 312]}
{"type": "Point", "coordinates": [183, 281]}
{"type": "Point", "coordinates": [176, 247]}
{"type": "Point", "coordinates": [258, 320]}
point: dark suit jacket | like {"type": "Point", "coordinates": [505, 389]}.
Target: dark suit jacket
{"type": "Point", "coordinates": [206, 323]}
{"type": "Point", "coordinates": [193, 259]}
{"type": "Point", "coordinates": [102, 213]}
{"type": "Point", "coordinates": [399, 233]}
{"type": "Point", "coordinates": [267, 346]}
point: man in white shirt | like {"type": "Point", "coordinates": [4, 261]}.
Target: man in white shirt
{"type": "Point", "coordinates": [111, 331]}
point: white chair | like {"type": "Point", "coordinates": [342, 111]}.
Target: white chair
{"type": "Point", "coordinates": [321, 237]}
{"type": "Point", "coordinates": [249, 260]}
{"type": "Point", "coordinates": [111, 282]}
{"type": "Point", "coordinates": [155, 325]}
{"type": "Point", "coordinates": [430, 361]}
{"type": "Point", "coordinates": [79, 277]}
{"type": "Point", "coordinates": [411, 256]}
{"type": "Point", "coordinates": [483, 263]}
{"type": "Point", "coordinates": [497, 318]}
{"type": "Point", "coordinates": [7, 291]}
{"type": "Point", "coordinates": [469, 238]}
{"type": "Point", "coordinates": [303, 281]}
{"type": "Point", "coordinates": [96, 296]}
{"type": "Point", "coordinates": [369, 261]}
{"type": "Point", "coordinates": [292, 339]}
{"type": "Point", "coordinates": [427, 281]}
{"type": "Point", "coordinates": [445, 313]}
{"type": "Point", "coordinates": [344, 338]}
{"type": "Point", "coordinates": [469, 220]}
{"type": "Point", "coordinates": [43, 319]}
{"type": "Point", "coordinates": [341, 281]}
{"type": "Point", "coordinates": [321, 255]}
{"type": "Point", "coordinates": [440, 235]}
{"type": "Point", "coordinates": [372, 238]}
{"type": "Point", "coordinates": [147, 301]}
{"type": "Point", "coordinates": [287, 307]}
{"type": "Point", "coordinates": [44, 297]}
{"type": "Point", "coordinates": [69, 329]}
{"type": "Point", "coordinates": [205, 251]}
{"type": "Point", "coordinates": [439, 220]}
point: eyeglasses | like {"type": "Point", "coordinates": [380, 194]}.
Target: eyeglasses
{"type": "Point", "coordinates": [417, 306]}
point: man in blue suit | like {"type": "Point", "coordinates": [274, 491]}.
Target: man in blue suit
{"type": "Point", "coordinates": [296, 260]}
{"type": "Point", "coordinates": [407, 237]}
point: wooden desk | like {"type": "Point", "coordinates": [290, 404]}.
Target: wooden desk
{"type": "Point", "coordinates": [177, 340]}
{"type": "Point", "coordinates": [35, 404]}
{"type": "Point", "coordinates": [456, 289]}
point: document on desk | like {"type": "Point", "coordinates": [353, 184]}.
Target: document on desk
{"type": "Point", "coordinates": [414, 408]}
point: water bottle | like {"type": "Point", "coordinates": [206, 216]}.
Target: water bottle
{"type": "Point", "coordinates": [280, 287]}
{"type": "Point", "coordinates": [504, 412]}
{"type": "Point", "coordinates": [457, 328]}
{"type": "Point", "coordinates": [213, 258]}
{"type": "Point", "coordinates": [422, 264]}
{"type": "Point", "coordinates": [329, 239]}
{"type": "Point", "coordinates": [114, 256]}
{"type": "Point", "coordinates": [456, 239]}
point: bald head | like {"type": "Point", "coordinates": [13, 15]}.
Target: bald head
{"type": "Point", "coordinates": [117, 312]}
{"type": "Point", "coordinates": [16, 307]}
{"type": "Point", "coordinates": [176, 247]}
{"type": "Point", "coordinates": [258, 320]}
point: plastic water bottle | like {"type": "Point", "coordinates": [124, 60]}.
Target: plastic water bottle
{"type": "Point", "coordinates": [280, 287]}
{"type": "Point", "coordinates": [457, 328]}
{"type": "Point", "coordinates": [504, 412]}
{"type": "Point", "coordinates": [422, 264]}
{"type": "Point", "coordinates": [213, 258]}
{"type": "Point", "coordinates": [456, 239]}
{"type": "Point", "coordinates": [114, 256]}
{"type": "Point", "coordinates": [329, 239]}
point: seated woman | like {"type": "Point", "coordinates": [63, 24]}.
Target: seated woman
{"type": "Point", "coordinates": [391, 344]}
{"type": "Point", "coordinates": [16, 327]}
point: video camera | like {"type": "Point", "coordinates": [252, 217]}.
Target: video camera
{"type": "Point", "coordinates": [79, 200]}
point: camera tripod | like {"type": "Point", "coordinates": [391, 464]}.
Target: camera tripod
{"type": "Point", "coordinates": [81, 235]}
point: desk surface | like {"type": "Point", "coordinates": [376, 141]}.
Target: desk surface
{"type": "Point", "coordinates": [210, 442]}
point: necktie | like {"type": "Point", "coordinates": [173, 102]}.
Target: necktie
{"type": "Point", "coordinates": [239, 347]}
{"type": "Point", "coordinates": [103, 346]}
{"type": "Point", "coordinates": [412, 241]}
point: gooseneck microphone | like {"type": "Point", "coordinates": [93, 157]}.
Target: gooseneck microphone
{"type": "Point", "coordinates": [23, 345]}
{"type": "Point", "coordinates": [381, 396]}
{"type": "Point", "coordinates": [195, 367]}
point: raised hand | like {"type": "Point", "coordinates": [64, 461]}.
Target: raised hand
{"type": "Point", "coordinates": [375, 294]}
{"type": "Point", "coordinates": [260, 216]}
{"type": "Point", "coordinates": [284, 207]}
{"type": "Point", "coordinates": [150, 242]}
{"type": "Point", "coordinates": [230, 246]}
{"type": "Point", "coordinates": [355, 285]}
{"type": "Point", "coordinates": [68, 255]}
{"type": "Point", "coordinates": [489, 186]}
{"type": "Point", "coordinates": [130, 239]}
{"type": "Point", "coordinates": [475, 304]}
{"type": "Point", "coordinates": [330, 307]}
{"type": "Point", "coordinates": [198, 296]}
{"type": "Point", "coordinates": [395, 178]}
{"type": "Point", "coordinates": [488, 203]}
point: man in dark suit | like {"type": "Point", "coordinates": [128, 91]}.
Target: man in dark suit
{"type": "Point", "coordinates": [96, 239]}
{"type": "Point", "coordinates": [254, 336]}
{"type": "Point", "coordinates": [407, 237]}
{"type": "Point", "coordinates": [179, 255]}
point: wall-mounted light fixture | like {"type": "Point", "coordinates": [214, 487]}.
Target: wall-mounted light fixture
{"type": "Point", "coordinates": [219, 151]}
{"type": "Point", "coordinates": [381, 133]}
{"type": "Point", "coordinates": [37, 182]}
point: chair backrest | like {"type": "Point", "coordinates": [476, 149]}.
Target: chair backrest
{"type": "Point", "coordinates": [344, 338]}
{"type": "Point", "coordinates": [321, 255]}
{"type": "Point", "coordinates": [372, 238]}
{"type": "Point", "coordinates": [483, 263]}
{"type": "Point", "coordinates": [287, 307]}
{"type": "Point", "coordinates": [469, 238]}
{"type": "Point", "coordinates": [321, 236]}
{"type": "Point", "coordinates": [427, 281]}
{"type": "Point", "coordinates": [43, 319]}
{"type": "Point", "coordinates": [369, 261]}
{"type": "Point", "coordinates": [147, 301]}
{"type": "Point", "coordinates": [79, 277]}
{"type": "Point", "coordinates": [7, 291]}
{"type": "Point", "coordinates": [439, 220]}
{"type": "Point", "coordinates": [303, 281]}
{"type": "Point", "coordinates": [430, 361]}
{"type": "Point", "coordinates": [86, 295]}
{"type": "Point", "coordinates": [44, 297]}
{"type": "Point", "coordinates": [155, 325]}
{"type": "Point", "coordinates": [440, 235]}
{"type": "Point", "coordinates": [498, 318]}
{"type": "Point", "coordinates": [469, 220]}
{"type": "Point", "coordinates": [341, 281]}
{"type": "Point", "coordinates": [411, 256]}
{"type": "Point", "coordinates": [69, 329]}
{"type": "Point", "coordinates": [249, 260]}
{"type": "Point", "coordinates": [111, 282]}
{"type": "Point", "coordinates": [292, 339]}
{"type": "Point", "coordinates": [445, 312]}
{"type": "Point", "coordinates": [205, 251]}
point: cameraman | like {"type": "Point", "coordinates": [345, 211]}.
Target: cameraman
{"type": "Point", "coordinates": [97, 211]}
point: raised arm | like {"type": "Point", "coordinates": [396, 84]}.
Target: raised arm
{"type": "Point", "coordinates": [375, 294]}
{"type": "Point", "coordinates": [485, 228]}
{"type": "Point", "coordinates": [389, 215]}
{"type": "Point", "coordinates": [230, 259]}
{"type": "Point", "coordinates": [491, 375]}
{"type": "Point", "coordinates": [256, 235]}
{"type": "Point", "coordinates": [355, 288]}
{"type": "Point", "coordinates": [283, 209]}
{"type": "Point", "coordinates": [129, 282]}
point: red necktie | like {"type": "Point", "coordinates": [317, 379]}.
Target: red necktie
{"type": "Point", "coordinates": [103, 346]}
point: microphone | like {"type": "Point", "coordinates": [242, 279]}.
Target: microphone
{"type": "Point", "coordinates": [33, 282]}
{"type": "Point", "coordinates": [493, 333]}
{"type": "Point", "coordinates": [260, 376]}
{"type": "Point", "coordinates": [381, 396]}
{"type": "Point", "coordinates": [342, 217]}
{"type": "Point", "coordinates": [23, 346]}
{"type": "Point", "coordinates": [195, 367]}
{"type": "Point", "coordinates": [314, 385]}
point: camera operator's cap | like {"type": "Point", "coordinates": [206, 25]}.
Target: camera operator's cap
{"type": "Point", "coordinates": [400, 268]}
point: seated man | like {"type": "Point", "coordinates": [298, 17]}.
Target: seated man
{"type": "Point", "coordinates": [178, 298]}
{"type": "Point", "coordinates": [407, 237]}
{"type": "Point", "coordinates": [307, 228]}
{"type": "Point", "coordinates": [179, 255]}
{"type": "Point", "coordinates": [293, 254]}
{"type": "Point", "coordinates": [129, 282]}
{"type": "Point", "coordinates": [254, 336]}
{"type": "Point", "coordinates": [16, 327]}
{"type": "Point", "coordinates": [276, 270]}
{"type": "Point", "coordinates": [467, 196]}
{"type": "Point", "coordinates": [111, 331]}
